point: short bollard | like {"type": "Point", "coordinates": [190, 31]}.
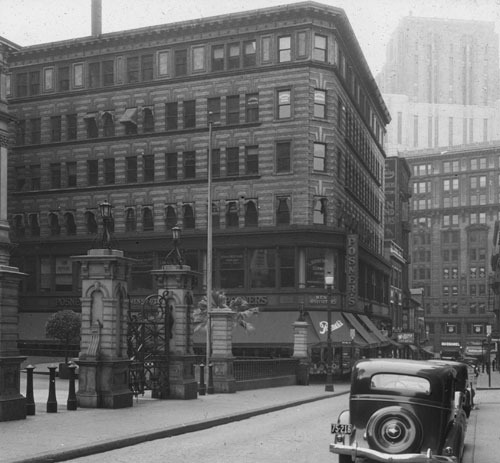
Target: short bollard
{"type": "Point", "coordinates": [210, 388]}
{"type": "Point", "coordinates": [201, 388]}
{"type": "Point", "coordinates": [30, 399]}
{"type": "Point", "coordinates": [52, 401]}
{"type": "Point", "coordinates": [71, 403]}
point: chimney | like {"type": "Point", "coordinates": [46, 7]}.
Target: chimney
{"type": "Point", "coordinates": [96, 18]}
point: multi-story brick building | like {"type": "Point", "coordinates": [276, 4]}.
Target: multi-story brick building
{"type": "Point", "coordinates": [455, 206]}
{"type": "Point", "coordinates": [297, 162]}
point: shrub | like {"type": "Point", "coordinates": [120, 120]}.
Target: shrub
{"type": "Point", "coordinates": [65, 326]}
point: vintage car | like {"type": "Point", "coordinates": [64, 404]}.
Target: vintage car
{"type": "Point", "coordinates": [401, 411]}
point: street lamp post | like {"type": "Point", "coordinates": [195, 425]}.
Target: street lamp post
{"type": "Point", "coordinates": [175, 255]}
{"type": "Point", "coordinates": [209, 246]}
{"type": "Point", "coordinates": [329, 366]}
{"type": "Point", "coordinates": [105, 209]}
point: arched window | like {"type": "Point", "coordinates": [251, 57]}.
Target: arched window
{"type": "Point", "coordinates": [283, 211]}
{"type": "Point", "coordinates": [232, 214]}
{"type": "Point", "coordinates": [69, 222]}
{"type": "Point", "coordinates": [130, 222]}
{"type": "Point", "coordinates": [19, 229]}
{"type": "Point", "coordinates": [251, 214]}
{"type": "Point", "coordinates": [55, 228]}
{"type": "Point", "coordinates": [170, 217]}
{"type": "Point", "coordinates": [147, 219]}
{"type": "Point", "coordinates": [108, 125]}
{"type": "Point", "coordinates": [319, 213]}
{"type": "Point", "coordinates": [34, 225]}
{"type": "Point", "coordinates": [148, 124]}
{"type": "Point", "coordinates": [188, 216]}
{"type": "Point", "coordinates": [91, 222]}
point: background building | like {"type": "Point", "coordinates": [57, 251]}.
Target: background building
{"type": "Point", "coordinates": [441, 84]}
{"type": "Point", "coordinates": [297, 164]}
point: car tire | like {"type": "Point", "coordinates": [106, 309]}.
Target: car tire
{"type": "Point", "coordinates": [394, 430]}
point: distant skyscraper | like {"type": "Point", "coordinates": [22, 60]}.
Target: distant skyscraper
{"type": "Point", "coordinates": [441, 83]}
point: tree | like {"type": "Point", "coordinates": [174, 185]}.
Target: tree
{"type": "Point", "coordinates": [65, 326]}
{"type": "Point", "coordinates": [240, 307]}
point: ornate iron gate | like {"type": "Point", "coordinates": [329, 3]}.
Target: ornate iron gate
{"type": "Point", "coordinates": [148, 338]}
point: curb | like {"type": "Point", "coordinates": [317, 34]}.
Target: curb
{"type": "Point", "coordinates": [134, 439]}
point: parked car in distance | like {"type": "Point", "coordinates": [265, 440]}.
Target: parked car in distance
{"type": "Point", "coordinates": [401, 410]}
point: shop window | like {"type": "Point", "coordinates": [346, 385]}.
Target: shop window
{"type": "Point", "coordinates": [251, 214]}
{"type": "Point", "coordinates": [69, 223]}
{"type": "Point", "coordinates": [91, 223]}
{"type": "Point", "coordinates": [147, 219]}
{"type": "Point", "coordinates": [231, 269]}
{"type": "Point", "coordinates": [232, 219]}
{"type": "Point", "coordinates": [262, 268]}
{"type": "Point", "coordinates": [188, 216]}
{"type": "Point", "coordinates": [287, 267]}
{"type": "Point", "coordinates": [108, 125]}
{"type": "Point", "coordinates": [283, 211]}
{"type": "Point", "coordinates": [55, 228]}
{"type": "Point", "coordinates": [130, 220]}
{"type": "Point", "coordinates": [63, 274]}
{"type": "Point", "coordinates": [170, 217]}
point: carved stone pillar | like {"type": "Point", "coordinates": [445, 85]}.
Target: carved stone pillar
{"type": "Point", "coordinates": [222, 350]}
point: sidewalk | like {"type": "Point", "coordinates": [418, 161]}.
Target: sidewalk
{"type": "Point", "coordinates": [71, 434]}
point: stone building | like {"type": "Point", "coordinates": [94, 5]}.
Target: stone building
{"type": "Point", "coordinates": [297, 164]}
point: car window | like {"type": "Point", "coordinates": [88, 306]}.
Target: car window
{"type": "Point", "coordinates": [392, 381]}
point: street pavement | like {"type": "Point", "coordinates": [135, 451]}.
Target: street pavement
{"type": "Point", "coordinates": [61, 436]}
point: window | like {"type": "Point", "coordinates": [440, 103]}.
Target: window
{"type": "Point", "coordinates": [189, 164]}
{"type": "Point", "coordinates": [233, 109]}
{"type": "Point", "coordinates": [55, 175]}
{"type": "Point", "coordinates": [71, 127]}
{"type": "Point", "coordinates": [283, 211]}
{"type": "Point", "coordinates": [232, 161]}
{"type": "Point", "coordinates": [283, 161]}
{"type": "Point", "coordinates": [189, 114]}
{"type": "Point", "coordinates": [251, 160]}
{"type": "Point", "coordinates": [215, 162]}
{"type": "Point", "coordinates": [55, 128]}
{"type": "Point", "coordinates": [69, 224]}
{"type": "Point", "coordinates": [232, 219]}
{"type": "Point", "coordinates": [147, 219]}
{"type": "Point", "coordinates": [284, 49]}
{"type": "Point", "coordinates": [108, 73]}
{"type": "Point", "coordinates": [148, 167]}
{"type": "Point", "coordinates": [266, 49]}
{"type": "Point", "coordinates": [133, 69]}
{"type": "Point", "coordinates": [320, 104]}
{"type": "Point", "coordinates": [35, 83]}
{"type": "Point", "coordinates": [287, 267]}
{"type": "Point", "coordinates": [302, 44]}
{"type": "Point", "coordinates": [19, 228]}
{"type": "Point", "coordinates": [35, 177]}
{"type": "Point", "coordinates": [146, 68]}
{"type": "Point", "coordinates": [91, 123]}
{"type": "Point", "coordinates": [180, 57]}
{"type": "Point", "coordinates": [90, 222]}
{"type": "Point", "coordinates": [249, 53]}
{"type": "Point", "coordinates": [319, 213]}
{"type": "Point", "coordinates": [78, 75]}
{"type": "Point", "coordinates": [55, 228]}
{"type": "Point", "coordinates": [232, 273]}
{"type": "Point", "coordinates": [36, 131]}
{"type": "Point", "coordinates": [48, 79]}
{"type": "Point", "coordinates": [213, 107]}
{"type": "Point", "coordinates": [319, 163]}
{"type": "Point", "coordinates": [71, 173]}
{"type": "Point", "coordinates": [22, 84]}
{"type": "Point", "coordinates": [163, 65]}
{"type": "Point", "coordinates": [94, 80]}
{"type": "Point", "coordinates": [109, 171]}
{"type": "Point", "coordinates": [188, 216]}
{"type": "Point", "coordinates": [198, 58]}
{"type": "Point", "coordinates": [234, 53]}
{"type": "Point", "coordinates": [284, 104]}
{"type": "Point", "coordinates": [251, 214]}
{"type": "Point", "coordinates": [20, 178]}
{"type": "Point", "coordinates": [148, 124]}
{"type": "Point", "coordinates": [262, 268]}
{"type": "Point", "coordinates": [21, 132]}
{"type": "Point", "coordinates": [34, 224]}
{"type": "Point", "coordinates": [170, 217]}
{"type": "Point", "coordinates": [63, 78]}
{"type": "Point", "coordinates": [130, 220]}
{"type": "Point", "coordinates": [319, 51]}
{"type": "Point", "coordinates": [171, 166]}
{"type": "Point", "coordinates": [129, 120]}
{"type": "Point", "coordinates": [252, 107]}
{"type": "Point", "coordinates": [171, 116]}
{"type": "Point", "coordinates": [218, 58]}
{"type": "Point", "coordinates": [108, 125]}
{"type": "Point", "coordinates": [131, 166]}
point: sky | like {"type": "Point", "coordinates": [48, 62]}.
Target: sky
{"type": "Point", "coordinates": [30, 22]}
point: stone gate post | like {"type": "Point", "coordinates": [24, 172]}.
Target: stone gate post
{"type": "Point", "coordinates": [175, 283]}
{"type": "Point", "coordinates": [222, 350]}
{"type": "Point", "coordinates": [103, 361]}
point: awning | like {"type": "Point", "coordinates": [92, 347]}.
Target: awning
{"type": "Point", "coordinates": [130, 115]}
{"type": "Point", "coordinates": [373, 329]}
{"type": "Point", "coordinates": [370, 338]}
{"type": "Point", "coordinates": [341, 328]}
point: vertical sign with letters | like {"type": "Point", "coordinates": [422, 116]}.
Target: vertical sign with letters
{"type": "Point", "coordinates": [352, 271]}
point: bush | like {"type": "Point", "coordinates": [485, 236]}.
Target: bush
{"type": "Point", "coordinates": [64, 326]}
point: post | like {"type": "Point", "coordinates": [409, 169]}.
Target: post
{"type": "Point", "coordinates": [52, 400]}
{"type": "Point", "coordinates": [72, 402]}
{"type": "Point", "coordinates": [209, 242]}
{"type": "Point", "coordinates": [30, 399]}
{"type": "Point", "coordinates": [329, 366]}
{"type": "Point", "coordinates": [210, 388]}
{"type": "Point", "coordinates": [201, 388]}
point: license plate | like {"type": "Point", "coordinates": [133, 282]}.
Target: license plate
{"type": "Point", "coordinates": [341, 428]}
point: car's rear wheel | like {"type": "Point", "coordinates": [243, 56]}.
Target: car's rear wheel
{"type": "Point", "coordinates": [394, 430]}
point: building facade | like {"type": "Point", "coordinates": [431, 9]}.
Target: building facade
{"type": "Point", "coordinates": [455, 209]}
{"type": "Point", "coordinates": [297, 161]}
{"type": "Point", "coordinates": [441, 84]}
